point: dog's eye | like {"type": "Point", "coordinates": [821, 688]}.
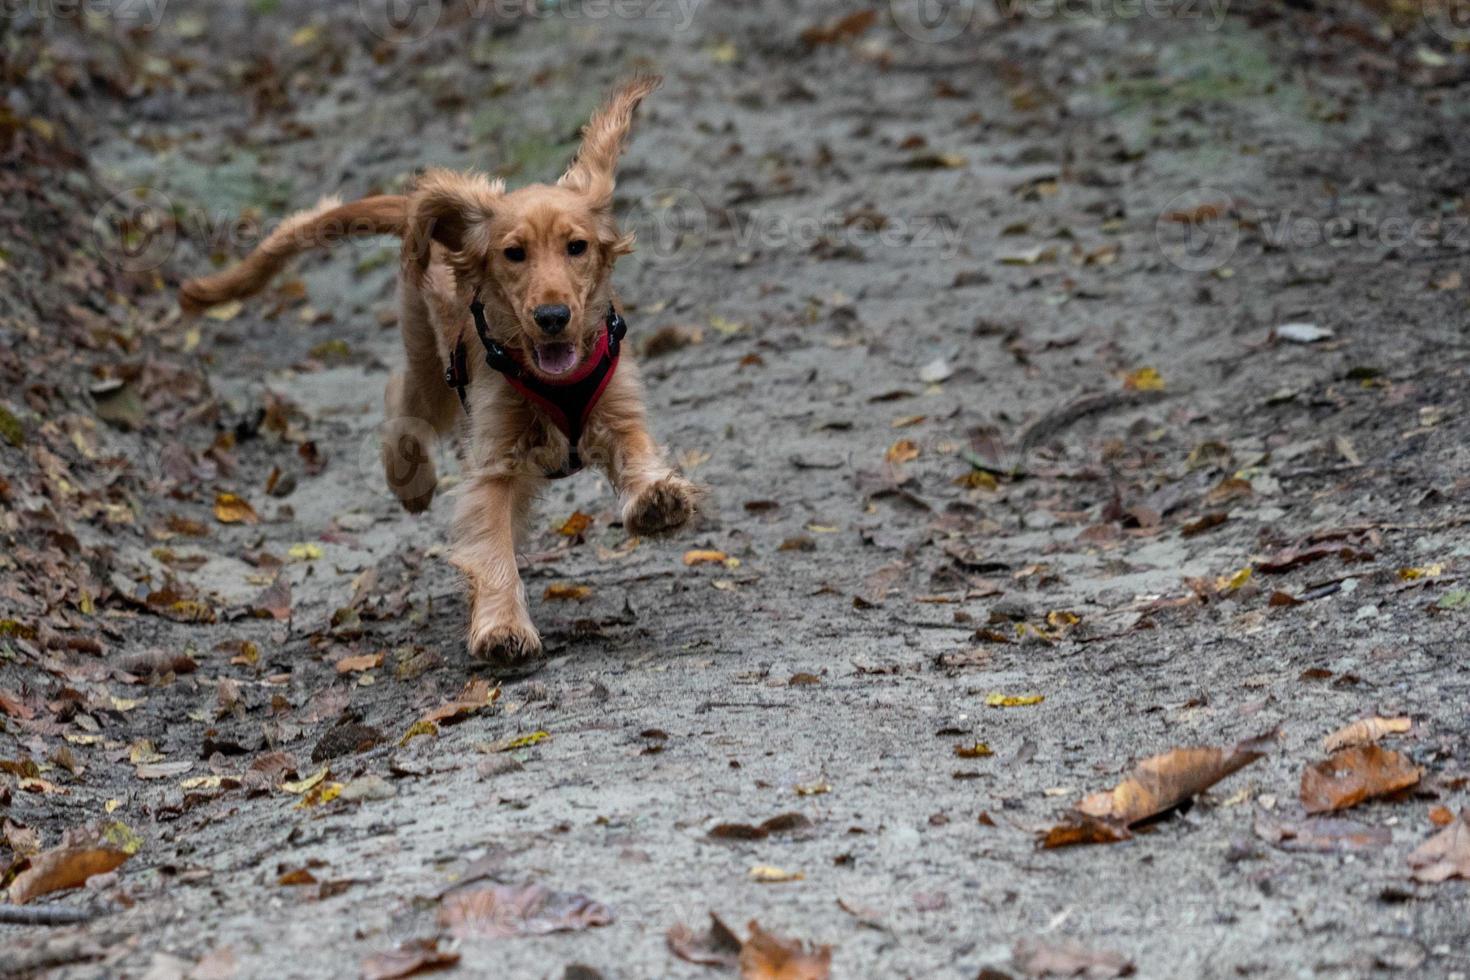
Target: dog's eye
{"type": "Point", "coordinates": [515, 253]}
{"type": "Point", "coordinates": [576, 246]}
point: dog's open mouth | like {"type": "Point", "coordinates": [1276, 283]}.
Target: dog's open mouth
{"type": "Point", "coordinates": [556, 358]}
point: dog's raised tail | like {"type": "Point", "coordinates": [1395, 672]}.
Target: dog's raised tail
{"type": "Point", "coordinates": [327, 224]}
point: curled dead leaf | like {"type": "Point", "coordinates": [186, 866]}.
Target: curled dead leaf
{"type": "Point", "coordinates": [1164, 781]}
{"type": "Point", "coordinates": [767, 956]}
{"type": "Point", "coordinates": [230, 508]}
{"type": "Point", "coordinates": [500, 911]}
{"type": "Point", "coordinates": [1365, 732]}
{"type": "Point", "coordinates": [1353, 775]}
{"type": "Point", "coordinates": [1445, 855]}
{"type": "Point", "coordinates": [64, 867]}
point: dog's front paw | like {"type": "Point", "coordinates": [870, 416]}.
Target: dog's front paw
{"type": "Point", "coordinates": [504, 643]}
{"type": "Point", "coordinates": [661, 507]}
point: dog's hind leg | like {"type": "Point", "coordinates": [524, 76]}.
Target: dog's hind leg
{"type": "Point", "coordinates": [419, 407]}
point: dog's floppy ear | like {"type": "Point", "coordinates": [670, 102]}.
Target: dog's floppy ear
{"type": "Point", "coordinates": [592, 170]}
{"type": "Point", "coordinates": [451, 209]}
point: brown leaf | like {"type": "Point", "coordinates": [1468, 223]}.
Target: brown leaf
{"type": "Point", "coordinates": [1365, 732]}
{"type": "Point", "coordinates": [499, 911]}
{"type": "Point", "coordinates": [839, 29]}
{"type": "Point", "coordinates": [275, 601]}
{"type": "Point", "coordinates": [414, 956]}
{"type": "Point", "coordinates": [477, 694]}
{"type": "Point", "coordinates": [1445, 855]}
{"type": "Point", "coordinates": [1354, 775]}
{"type": "Point", "coordinates": [352, 665]}
{"type": "Point", "coordinates": [719, 946]}
{"type": "Point", "coordinates": [767, 956]}
{"type": "Point", "coordinates": [61, 868]}
{"type": "Point", "coordinates": [776, 825]}
{"type": "Point", "coordinates": [1082, 829]}
{"type": "Point", "coordinates": [1064, 958]}
{"type": "Point", "coordinates": [232, 509]}
{"type": "Point", "coordinates": [1164, 781]}
{"type": "Point", "coordinates": [1321, 835]}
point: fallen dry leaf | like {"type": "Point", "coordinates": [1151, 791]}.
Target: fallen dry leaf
{"type": "Point", "coordinates": [1445, 855]}
{"type": "Point", "coordinates": [717, 946]}
{"type": "Point", "coordinates": [1354, 775]}
{"type": "Point", "coordinates": [1164, 781]}
{"type": "Point", "coordinates": [1320, 835]}
{"type": "Point", "coordinates": [1144, 379]}
{"type": "Point", "coordinates": [576, 525]}
{"type": "Point", "coordinates": [352, 665]}
{"type": "Point", "coordinates": [768, 874]}
{"type": "Point", "coordinates": [902, 451]}
{"type": "Point", "coordinates": [414, 956]}
{"type": "Point", "coordinates": [477, 694]}
{"type": "Point", "coordinates": [700, 556]}
{"type": "Point", "coordinates": [1064, 958]}
{"type": "Point", "coordinates": [840, 28]}
{"type": "Point", "coordinates": [1365, 732]}
{"type": "Point", "coordinates": [998, 700]}
{"type": "Point", "coordinates": [63, 867]}
{"type": "Point", "coordinates": [567, 590]}
{"type": "Point", "coordinates": [1082, 829]}
{"type": "Point", "coordinates": [230, 508]}
{"type": "Point", "coordinates": [781, 824]}
{"type": "Point", "coordinates": [767, 956]}
{"type": "Point", "coordinates": [500, 911]}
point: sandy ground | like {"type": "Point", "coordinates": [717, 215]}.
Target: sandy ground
{"type": "Point", "coordinates": [891, 250]}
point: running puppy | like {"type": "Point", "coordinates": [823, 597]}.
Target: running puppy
{"type": "Point", "coordinates": [507, 297]}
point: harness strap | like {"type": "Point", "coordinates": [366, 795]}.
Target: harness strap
{"type": "Point", "coordinates": [567, 403]}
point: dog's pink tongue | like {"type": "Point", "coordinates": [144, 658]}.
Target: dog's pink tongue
{"type": "Point", "coordinates": [556, 358]}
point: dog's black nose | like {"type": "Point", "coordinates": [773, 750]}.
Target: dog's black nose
{"type": "Point", "coordinates": [552, 318]}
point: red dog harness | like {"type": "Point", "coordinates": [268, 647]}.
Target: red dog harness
{"type": "Point", "coordinates": [568, 401]}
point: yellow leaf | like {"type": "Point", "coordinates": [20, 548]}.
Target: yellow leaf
{"type": "Point", "coordinates": [416, 729]}
{"type": "Point", "coordinates": [122, 837]}
{"type": "Point", "coordinates": [998, 700]}
{"type": "Point", "coordinates": [727, 327]}
{"type": "Point", "coordinates": [305, 552]}
{"type": "Point", "coordinates": [813, 789]}
{"type": "Point", "coordinates": [977, 751]}
{"type": "Point", "coordinates": [769, 874]}
{"type": "Point", "coordinates": [566, 590]}
{"type": "Point", "coordinates": [723, 53]}
{"type": "Point", "coordinates": [1060, 619]}
{"type": "Point", "coordinates": [111, 805]}
{"type": "Point", "coordinates": [822, 528]}
{"type": "Point", "coordinates": [526, 741]}
{"type": "Point", "coordinates": [303, 785]}
{"type": "Point", "coordinates": [325, 793]}
{"type": "Point", "coordinates": [704, 557]}
{"type": "Point", "coordinates": [231, 509]}
{"type": "Point", "coordinates": [202, 782]}
{"type": "Point", "coordinates": [1144, 379]}
{"type": "Point", "coordinates": [1229, 583]}
{"type": "Point", "coordinates": [908, 420]}
{"type": "Point", "coordinates": [305, 36]}
{"type": "Point", "coordinates": [1428, 571]}
{"type": "Point", "coordinates": [575, 525]}
{"type": "Point", "coordinates": [225, 311]}
{"type": "Point", "coordinates": [902, 451]}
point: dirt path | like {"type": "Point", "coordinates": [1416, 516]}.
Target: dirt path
{"type": "Point", "coordinates": [890, 253]}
